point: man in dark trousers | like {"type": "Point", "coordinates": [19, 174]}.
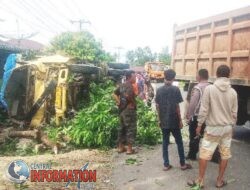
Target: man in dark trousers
{"type": "Point", "coordinates": [125, 99]}
{"type": "Point", "coordinates": [167, 101]}
{"type": "Point", "coordinates": [219, 107]}
{"type": "Point", "coordinates": [193, 111]}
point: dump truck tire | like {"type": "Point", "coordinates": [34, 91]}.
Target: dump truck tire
{"type": "Point", "coordinates": [118, 66]}
{"type": "Point", "coordinates": [116, 72]}
{"type": "Point", "coordinates": [84, 69]}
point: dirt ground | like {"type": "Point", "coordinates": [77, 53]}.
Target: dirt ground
{"type": "Point", "coordinates": [147, 174]}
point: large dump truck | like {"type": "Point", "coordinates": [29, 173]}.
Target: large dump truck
{"type": "Point", "coordinates": [155, 70]}
{"type": "Point", "coordinates": [211, 42]}
{"type": "Point", "coordinates": [49, 87]}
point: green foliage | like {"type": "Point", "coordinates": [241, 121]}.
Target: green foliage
{"type": "Point", "coordinates": [140, 55]}
{"type": "Point", "coordinates": [8, 147]}
{"type": "Point", "coordinates": [25, 150]}
{"type": "Point", "coordinates": [147, 130]}
{"type": "Point", "coordinates": [29, 55]}
{"type": "Point", "coordinates": [164, 56]}
{"type": "Point", "coordinates": [80, 45]}
{"type": "Point", "coordinates": [56, 133]}
{"type": "Point", "coordinates": [96, 125]}
{"type": "Point", "coordinates": [131, 161]}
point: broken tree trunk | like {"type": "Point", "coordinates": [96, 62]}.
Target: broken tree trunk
{"type": "Point", "coordinates": [34, 134]}
{"type": "Point", "coordinates": [25, 134]}
{"type": "Point", "coordinates": [45, 140]}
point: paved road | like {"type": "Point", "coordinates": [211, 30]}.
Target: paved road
{"type": "Point", "coordinates": [147, 173]}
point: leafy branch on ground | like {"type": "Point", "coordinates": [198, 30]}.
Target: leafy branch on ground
{"type": "Point", "coordinates": [96, 125]}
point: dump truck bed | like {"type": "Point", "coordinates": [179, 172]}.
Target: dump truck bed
{"type": "Point", "coordinates": [211, 42]}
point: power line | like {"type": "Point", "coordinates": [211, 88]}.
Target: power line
{"type": "Point", "coordinates": [9, 9]}
{"type": "Point", "coordinates": [49, 15]}
{"type": "Point", "coordinates": [27, 21]}
{"type": "Point", "coordinates": [69, 7]}
{"type": "Point", "coordinates": [44, 22]}
{"type": "Point", "coordinates": [52, 5]}
{"type": "Point", "coordinates": [36, 13]}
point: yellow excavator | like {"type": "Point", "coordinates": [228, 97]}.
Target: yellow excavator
{"type": "Point", "coordinates": [155, 70]}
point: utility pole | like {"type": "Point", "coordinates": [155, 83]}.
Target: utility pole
{"type": "Point", "coordinates": [81, 22]}
{"type": "Point", "coordinates": [18, 36]}
{"type": "Point", "coordinates": [119, 48]}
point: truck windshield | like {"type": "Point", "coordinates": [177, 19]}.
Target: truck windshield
{"type": "Point", "coordinates": [157, 67]}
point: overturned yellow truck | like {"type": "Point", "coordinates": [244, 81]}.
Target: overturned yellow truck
{"type": "Point", "coordinates": [46, 88]}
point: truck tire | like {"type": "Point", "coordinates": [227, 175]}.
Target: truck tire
{"type": "Point", "coordinates": [116, 72]}
{"type": "Point", "coordinates": [243, 104]}
{"type": "Point", "coordinates": [84, 68]}
{"type": "Point", "coordinates": [190, 87]}
{"type": "Point", "coordinates": [118, 66]}
{"type": "Point", "coordinates": [185, 88]}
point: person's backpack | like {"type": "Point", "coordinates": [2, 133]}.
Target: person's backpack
{"type": "Point", "coordinates": [123, 100]}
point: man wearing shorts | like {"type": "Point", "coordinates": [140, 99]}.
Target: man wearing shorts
{"type": "Point", "coordinates": [218, 109]}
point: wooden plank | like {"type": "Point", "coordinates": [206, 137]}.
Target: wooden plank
{"type": "Point", "coordinates": [191, 35]}
{"type": "Point", "coordinates": [178, 57]}
{"type": "Point", "coordinates": [179, 37]}
{"type": "Point", "coordinates": [240, 53]}
{"type": "Point", "coordinates": [230, 42]}
{"type": "Point", "coordinates": [220, 30]}
{"type": "Point", "coordinates": [205, 32]}
{"type": "Point", "coordinates": [190, 56]}
{"type": "Point", "coordinates": [197, 49]}
{"type": "Point", "coordinates": [215, 18]}
{"type": "Point", "coordinates": [219, 55]}
{"type": "Point", "coordinates": [173, 48]}
{"type": "Point", "coordinates": [185, 52]}
{"type": "Point", "coordinates": [212, 50]}
{"type": "Point", "coordinates": [221, 42]}
{"type": "Point", "coordinates": [205, 55]}
{"type": "Point", "coordinates": [241, 25]}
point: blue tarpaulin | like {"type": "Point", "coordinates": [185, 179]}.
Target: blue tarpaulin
{"type": "Point", "coordinates": [8, 68]}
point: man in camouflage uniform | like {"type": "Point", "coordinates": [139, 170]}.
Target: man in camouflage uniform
{"type": "Point", "coordinates": [125, 100]}
{"type": "Point", "coordinates": [149, 91]}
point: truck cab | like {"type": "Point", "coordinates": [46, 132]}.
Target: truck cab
{"type": "Point", "coordinates": [155, 70]}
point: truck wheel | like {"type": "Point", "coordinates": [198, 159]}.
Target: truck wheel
{"type": "Point", "coordinates": [185, 88]}
{"type": "Point", "coordinates": [116, 72]}
{"type": "Point", "coordinates": [190, 87]}
{"type": "Point", "coordinates": [84, 68]}
{"type": "Point", "coordinates": [118, 66]}
{"type": "Point", "coordinates": [243, 104]}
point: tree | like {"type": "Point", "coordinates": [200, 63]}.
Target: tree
{"type": "Point", "coordinates": [140, 55]}
{"type": "Point", "coordinates": [80, 45]}
{"type": "Point", "coordinates": [164, 56]}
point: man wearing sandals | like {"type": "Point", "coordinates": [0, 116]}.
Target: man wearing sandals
{"type": "Point", "coordinates": [125, 99]}
{"type": "Point", "coordinates": [167, 101]}
{"type": "Point", "coordinates": [218, 109]}
{"type": "Point", "coordinates": [193, 111]}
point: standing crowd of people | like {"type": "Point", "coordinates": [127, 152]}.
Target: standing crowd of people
{"type": "Point", "coordinates": [211, 115]}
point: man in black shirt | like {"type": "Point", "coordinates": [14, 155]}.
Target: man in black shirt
{"type": "Point", "coordinates": [167, 101]}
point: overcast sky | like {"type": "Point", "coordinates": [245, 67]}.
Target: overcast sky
{"type": "Point", "coordinates": [118, 23]}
